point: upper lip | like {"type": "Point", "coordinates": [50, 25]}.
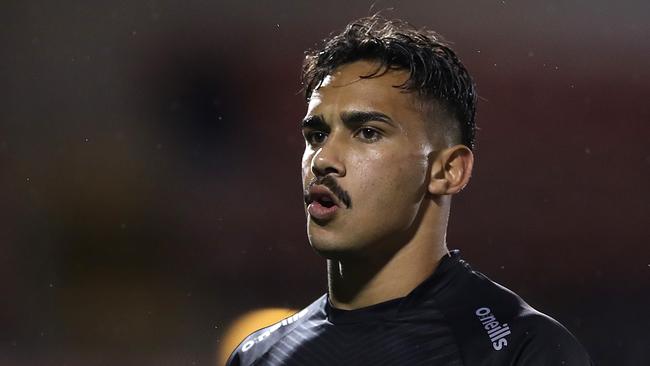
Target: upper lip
{"type": "Point", "coordinates": [319, 192]}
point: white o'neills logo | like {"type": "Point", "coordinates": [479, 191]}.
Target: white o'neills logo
{"type": "Point", "coordinates": [251, 342]}
{"type": "Point", "coordinates": [495, 330]}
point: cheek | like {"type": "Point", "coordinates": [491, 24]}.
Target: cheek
{"type": "Point", "coordinates": [392, 177]}
{"type": "Point", "coordinates": [306, 163]}
{"type": "Point", "coordinates": [414, 169]}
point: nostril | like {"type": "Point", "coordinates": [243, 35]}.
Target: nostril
{"type": "Point", "coordinates": [325, 171]}
{"type": "Point", "coordinates": [325, 163]}
{"type": "Point", "coordinates": [330, 170]}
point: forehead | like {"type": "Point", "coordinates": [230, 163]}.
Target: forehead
{"type": "Point", "coordinates": [346, 89]}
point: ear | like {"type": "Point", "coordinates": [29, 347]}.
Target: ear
{"type": "Point", "coordinates": [451, 170]}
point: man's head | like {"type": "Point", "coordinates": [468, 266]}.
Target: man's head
{"type": "Point", "coordinates": [389, 131]}
{"type": "Point", "coordinates": [436, 76]}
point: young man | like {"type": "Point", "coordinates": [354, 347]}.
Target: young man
{"type": "Point", "coordinates": [389, 134]}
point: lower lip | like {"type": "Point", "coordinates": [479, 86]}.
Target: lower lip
{"type": "Point", "coordinates": [320, 212]}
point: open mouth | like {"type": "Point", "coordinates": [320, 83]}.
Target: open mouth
{"type": "Point", "coordinates": [321, 196]}
{"type": "Point", "coordinates": [322, 205]}
{"type": "Point", "coordinates": [325, 201]}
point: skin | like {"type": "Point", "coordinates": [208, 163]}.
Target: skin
{"type": "Point", "coordinates": [400, 175]}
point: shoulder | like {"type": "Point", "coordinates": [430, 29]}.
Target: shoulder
{"type": "Point", "coordinates": [541, 340]}
{"type": "Point", "coordinates": [261, 341]}
{"type": "Point", "coordinates": [493, 325]}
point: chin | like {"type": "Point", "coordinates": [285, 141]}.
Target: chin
{"type": "Point", "coordinates": [328, 246]}
{"type": "Point", "coordinates": [334, 253]}
{"type": "Point", "coordinates": [322, 246]}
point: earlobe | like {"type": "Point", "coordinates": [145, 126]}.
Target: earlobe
{"type": "Point", "coordinates": [451, 170]}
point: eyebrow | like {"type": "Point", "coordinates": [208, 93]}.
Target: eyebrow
{"type": "Point", "coordinates": [353, 118]}
{"type": "Point", "coordinates": [361, 117]}
{"type": "Point", "coordinates": [315, 122]}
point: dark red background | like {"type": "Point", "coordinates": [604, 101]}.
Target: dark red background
{"type": "Point", "coordinates": [150, 185]}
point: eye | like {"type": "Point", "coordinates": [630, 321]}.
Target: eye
{"type": "Point", "coordinates": [369, 134]}
{"type": "Point", "coordinates": [315, 137]}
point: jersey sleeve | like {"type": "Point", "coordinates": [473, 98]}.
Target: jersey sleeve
{"type": "Point", "coordinates": [549, 343]}
{"type": "Point", "coordinates": [493, 326]}
{"type": "Point", "coordinates": [233, 360]}
{"type": "Point", "coordinates": [257, 344]}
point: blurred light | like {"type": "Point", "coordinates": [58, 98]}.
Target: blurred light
{"type": "Point", "coordinates": [247, 324]}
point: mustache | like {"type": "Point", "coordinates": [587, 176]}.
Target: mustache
{"type": "Point", "coordinates": [329, 182]}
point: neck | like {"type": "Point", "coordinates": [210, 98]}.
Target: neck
{"type": "Point", "coordinates": [357, 283]}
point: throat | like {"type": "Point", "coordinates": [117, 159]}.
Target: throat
{"type": "Point", "coordinates": [358, 284]}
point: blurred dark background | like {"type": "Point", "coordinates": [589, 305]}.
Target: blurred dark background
{"type": "Point", "coordinates": [150, 185]}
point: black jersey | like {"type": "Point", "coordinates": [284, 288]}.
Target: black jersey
{"type": "Point", "coordinates": [455, 317]}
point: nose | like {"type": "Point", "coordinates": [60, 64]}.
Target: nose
{"type": "Point", "coordinates": [327, 160]}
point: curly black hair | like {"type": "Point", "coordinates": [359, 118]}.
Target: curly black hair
{"type": "Point", "coordinates": [436, 73]}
